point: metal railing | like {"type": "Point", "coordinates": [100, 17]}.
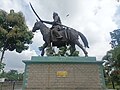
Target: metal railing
{"type": "Point", "coordinates": [11, 85]}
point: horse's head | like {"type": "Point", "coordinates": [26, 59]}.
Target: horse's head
{"type": "Point", "coordinates": [36, 26]}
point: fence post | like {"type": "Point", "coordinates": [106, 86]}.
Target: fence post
{"type": "Point", "coordinates": [13, 85]}
{"type": "Point", "coordinates": [1, 85]}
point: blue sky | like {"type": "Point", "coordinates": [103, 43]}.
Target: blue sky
{"type": "Point", "coordinates": [94, 18]}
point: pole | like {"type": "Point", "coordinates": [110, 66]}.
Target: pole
{"type": "Point", "coordinates": [13, 85]}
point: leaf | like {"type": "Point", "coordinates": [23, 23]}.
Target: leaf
{"type": "Point", "coordinates": [14, 33]}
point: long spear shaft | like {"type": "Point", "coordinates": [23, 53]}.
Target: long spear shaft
{"type": "Point", "coordinates": [34, 11]}
{"type": "Point", "coordinates": [40, 18]}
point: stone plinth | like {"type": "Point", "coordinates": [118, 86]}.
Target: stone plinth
{"type": "Point", "coordinates": [63, 73]}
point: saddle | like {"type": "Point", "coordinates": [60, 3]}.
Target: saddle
{"type": "Point", "coordinates": [59, 42]}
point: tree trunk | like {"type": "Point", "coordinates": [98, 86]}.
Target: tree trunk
{"type": "Point", "coordinates": [113, 84]}
{"type": "Point", "coordinates": [3, 52]}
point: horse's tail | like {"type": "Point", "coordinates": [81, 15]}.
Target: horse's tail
{"type": "Point", "coordinates": [83, 39]}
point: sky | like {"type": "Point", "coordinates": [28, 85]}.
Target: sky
{"type": "Point", "coordinates": [94, 18]}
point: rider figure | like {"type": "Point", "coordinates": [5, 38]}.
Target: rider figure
{"type": "Point", "coordinates": [55, 25]}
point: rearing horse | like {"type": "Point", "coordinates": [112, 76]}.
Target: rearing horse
{"type": "Point", "coordinates": [70, 39]}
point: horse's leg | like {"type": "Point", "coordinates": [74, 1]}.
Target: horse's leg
{"type": "Point", "coordinates": [80, 45]}
{"type": "Point", "coordinates": [43, 47]}
{"type": "Point", "coordinates": [72, 49]}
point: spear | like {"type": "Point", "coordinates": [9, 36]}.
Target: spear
{"type": "Point", "coordinates": [34, 11]}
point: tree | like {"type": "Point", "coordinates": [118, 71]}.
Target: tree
{"type": "Point", "coordinates": [2, 65]}
{"type": "Point", "coordinates": [112, 59]}
{"type": "Point", "coordinates": [115, 36]}
{"type": "Point", "coordinates": [115, 75]}
{"type": "Point", "coordinates": [112, 65]}
{"type": "Point", "coordinates": [20, 76]}
{"type": "Point", "coordinates": [116, 57]}
{"type": "Point", "coordinates": [108, 67]}
{"type": "Point", "coordinates": [12, 75]}
{"type": "Point", "coordinates": [14, 33]}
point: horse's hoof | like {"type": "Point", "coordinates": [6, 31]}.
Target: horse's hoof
{"type": "Point", "coordinates": [86, 55]}
{"type": "Point", "coordinates": [42, 54]}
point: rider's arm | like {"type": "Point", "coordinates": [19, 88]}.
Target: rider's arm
{"type": "Point", "coordinates": [48, 22]}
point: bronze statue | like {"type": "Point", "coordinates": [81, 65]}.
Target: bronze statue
{"type": "Point", "coordinates": [69, 36]}
{"type": "Point", "coordinates": [55, 25]}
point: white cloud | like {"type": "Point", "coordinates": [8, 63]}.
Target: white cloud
{"type": "Point", "coordinates": [13, 60]}
{"type": "Point", "coordinates": [93, 18]}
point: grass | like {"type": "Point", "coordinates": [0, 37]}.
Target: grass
{"type": "Point", "coordinates": [110, 86]}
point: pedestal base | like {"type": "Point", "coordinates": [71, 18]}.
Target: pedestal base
{"type": "Point", "coordinates": [63, 73]}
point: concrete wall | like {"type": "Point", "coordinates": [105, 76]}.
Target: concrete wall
{"type": "Point", "coordinates": [64, 76]}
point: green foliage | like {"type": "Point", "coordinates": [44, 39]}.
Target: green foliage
{"type": "Point", "coordinates": [14, 33]}
{"type": "Point", "coordinates": [115, 76]}
{"type": "Point", "coordinates": [63, 51]}
{"type": "Point", "coordinates": [116, 57]}
{"type": "Point", "coordinates": [66, 51]}
{"type": "Point", "coordinates": [50, 51]}
{"type": "Point", "coordinates": [115, 36]}
{"type": "Point", "coordinates": [112, 65]}
{"type": "Point", "coordinates": [12, 75]}
{"type": "Point", "coordinates": [112, 58]}
{"type": "Point", "coordinates": [3, 15]}
{"type": "Point", "coordinates": [2, 65]}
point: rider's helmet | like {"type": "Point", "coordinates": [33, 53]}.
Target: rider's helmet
{"type": "Point", "coordinates": [55, 14]}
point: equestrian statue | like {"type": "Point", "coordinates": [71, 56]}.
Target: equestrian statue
{"type": "Point", "coordinates": [59, 35]}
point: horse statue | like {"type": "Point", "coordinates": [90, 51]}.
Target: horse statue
{"type": "Point", "coordinates": [70, 37]}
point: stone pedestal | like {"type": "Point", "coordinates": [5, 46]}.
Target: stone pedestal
{"type": "Point", "coordinates": [63, 73]}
